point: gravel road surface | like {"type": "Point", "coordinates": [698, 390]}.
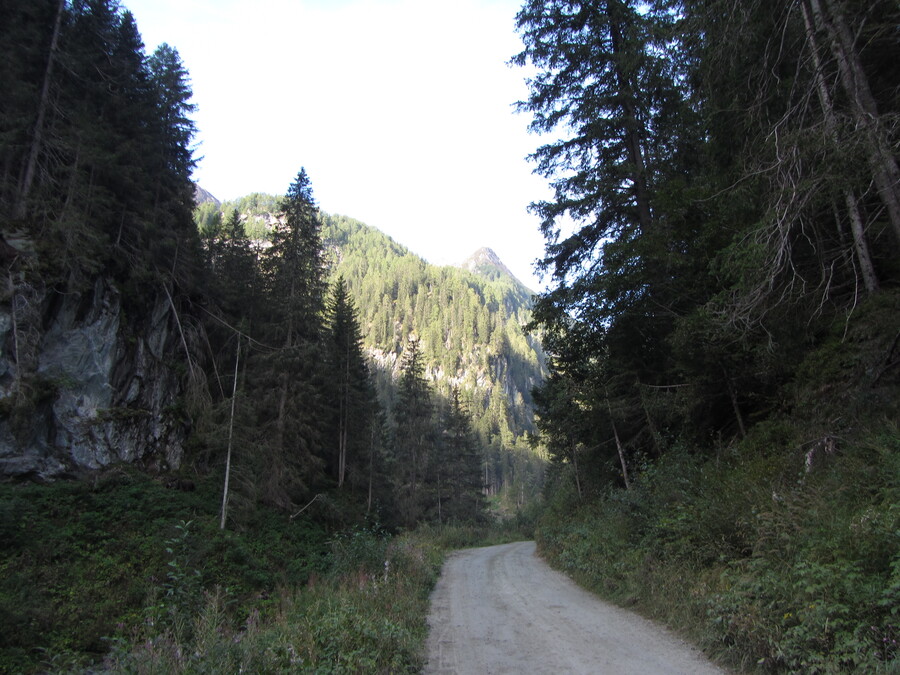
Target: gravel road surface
{"type": "Point", "coordinates": [502, 609]}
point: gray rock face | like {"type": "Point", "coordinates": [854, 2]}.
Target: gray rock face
{"type": "Point", "coordinates": [80, 389]}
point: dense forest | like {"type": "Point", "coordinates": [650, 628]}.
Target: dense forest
{"type": "Point", "coordinates": [722, 323]}
{"type": "Point", "coordinates": [468, 323]}
{"type": "Point", "coordinates": [275, 383]}
{"type": "Point", "coordinates": [329, 428]}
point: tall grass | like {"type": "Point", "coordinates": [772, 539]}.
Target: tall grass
{"type": "Point", "coordinates": [125, 575]}
{"type": "Point", "coordinates": [366, 616]}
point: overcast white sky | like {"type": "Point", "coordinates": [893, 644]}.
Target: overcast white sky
{"type": "Point", "coordinates": [400, 110]}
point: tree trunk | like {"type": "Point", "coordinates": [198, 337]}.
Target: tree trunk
{"type": "Point", "coordinates": [237, 359]}
{"type": "Point", "coordinates": [575, 466]}
{"type": "Point", "coordinates": [340, 430]}
{"type": "Point", "coordinates": [285, 382]}
{"type": "Point", "coordinates": [37, 137]}
{"type": "Point", "coordinates": [860, 244]}
{"type": "Point", "coordinates": [857, 228]}
{"type": "Point", "coordinates": [621, 451]}
{"type": "Point", "coordinates": [619, 447]}
{"type": "Point", "coordinates": [187, 352]}
{"type": "Point", "coordinates": [17, 383]}
{"type": "Point", "coordinates": [344, 416]}
{"type": "Point", "coordinates": [439, 488]}
{"type": "Point", "coordinates": [371, 467]}
{"type": "Point", "coordinates": [732, 394]}
{"type": "Point", "coordinates": [865, 111]}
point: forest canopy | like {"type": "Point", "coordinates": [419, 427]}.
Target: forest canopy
{"type": "Point", "coordinates": [730, 170]}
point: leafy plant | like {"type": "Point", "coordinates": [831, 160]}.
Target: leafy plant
{"type": "Point", "coordinates": [766, 561]}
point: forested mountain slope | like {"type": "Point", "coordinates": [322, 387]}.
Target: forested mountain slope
{"type": "Point", "coordinates": [96, 237]}
{"type": "Point", "coordinates": [468, 321]}
{"type": "Point", "coordinates": [188, 424]}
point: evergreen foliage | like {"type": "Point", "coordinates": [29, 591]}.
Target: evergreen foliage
{"type": "Point", "coordinates": [95, 188]}
{"type": "Point", "coordinates": [316, 414]}
{"type": "Point", "coordinates": [96, 161]}
{"type": "Point", "coordinates": [459, 481]}
{"type": "Point", "coordinates": [96, 151]}
{"type": "Point", "coordinates": [469, 331]}
{"type": "Point", "coordinates": [288, 383]}
{"type": "Point", "coordinates": [414, 438]}
{"type": "Point", "coordinates": [722, 234]}
{"type": "Point", "coordinates": [722, 241]}
{"type": "Point", "coordinates": [716, 228]}
{"type": "Point", "coordinates": [352, 401]}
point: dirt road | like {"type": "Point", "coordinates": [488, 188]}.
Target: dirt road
{"type": "Point", "coordinates": [501, 609]}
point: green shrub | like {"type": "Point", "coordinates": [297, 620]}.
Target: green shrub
{"type": "Point", "coordinates": [780, 560]}
{"type": "Point", "coordinates": [123, 574]}
{"type": "Point", "coordinates": [351, 622]}
{"type": "Point", "coordinates": [86, 562]}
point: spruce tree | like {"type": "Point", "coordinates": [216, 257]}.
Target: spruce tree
{"type": "Point", "coordinates": [460, 464]}
{"type": "Point", "coordinates": [290, 379]}
{"type": "Point", "coordinates": [352, 398]}
{"type": "Point", "coordinates": [414, 439]}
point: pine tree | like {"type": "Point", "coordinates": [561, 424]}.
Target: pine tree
{"type": "Point", "coordinates": [20, 96]}
{"type": "Point", "coordinates": [290, 379]}
{"type": "Point", "coordinates": [237, 271]}
{"type": "Point", "coordinates": [352, 398]}
{"type": "Point", "coordinates": [600, 81]}
{"type": "Point", "coordinates": [173, 200]}
{"type": "Point", "coordinates": [414, 440]}
{"type": "Point", "coordinates": [608, 84]}
{"type": "Point", "coordinates": [460, 496]}
{"type": "Point", "coordinates": [90, 128]}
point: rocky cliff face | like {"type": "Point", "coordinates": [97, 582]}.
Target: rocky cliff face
{"type": "Point", "coordinates": [81, 386]}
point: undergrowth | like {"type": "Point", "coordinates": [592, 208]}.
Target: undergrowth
{"type": "Point", "coordinates": [125, 575]}
{"type": "Point", "coordinates": [770, 558]}
{"type": "Point", "coordinates": [365, 615]}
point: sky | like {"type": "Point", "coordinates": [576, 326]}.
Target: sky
{"type": "Point", "coordinates": [401, 112]}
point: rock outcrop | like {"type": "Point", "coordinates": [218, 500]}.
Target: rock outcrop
{"type": "Point", "coordinates": [82, 386]}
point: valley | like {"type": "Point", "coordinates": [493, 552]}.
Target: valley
{"type": "Point", "coordinates": [469, 322]}
{"type": "Point", "coordinates": [245, 436]}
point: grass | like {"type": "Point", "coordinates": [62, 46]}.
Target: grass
{"type": "Point", "coordinates": [122, 574]}
{"type": "Point", "coordinates": [370, 619]}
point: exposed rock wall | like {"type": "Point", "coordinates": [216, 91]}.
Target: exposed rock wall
{"type": "Point", "coordinates": [83, 386]}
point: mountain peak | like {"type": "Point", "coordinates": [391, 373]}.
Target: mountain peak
{"type": "Point", "coordinates": [202, 196]}
{"type": "Point", "coordinates": [487, 263]}
{"type": "Point", "coordinates": [487, 255]}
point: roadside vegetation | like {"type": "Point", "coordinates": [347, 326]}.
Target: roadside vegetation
{"type": "Point", "coordinates": [770, 557]}
{"type": "Point", "coordinates": [778, 552]}
{"type": "Point", "coordinates": [722, 322]}
{"type": "Point", "coordinates": [129, 574]}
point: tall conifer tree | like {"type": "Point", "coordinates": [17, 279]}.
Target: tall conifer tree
{"type": "Point", "coordinates": [290, 382]}
{"type": "Point", "coordinates": [460, 492]}
{"type": "Point", "coordinates": [414, 438]}
{"type": "Point", "coordinates": [352, 397]}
